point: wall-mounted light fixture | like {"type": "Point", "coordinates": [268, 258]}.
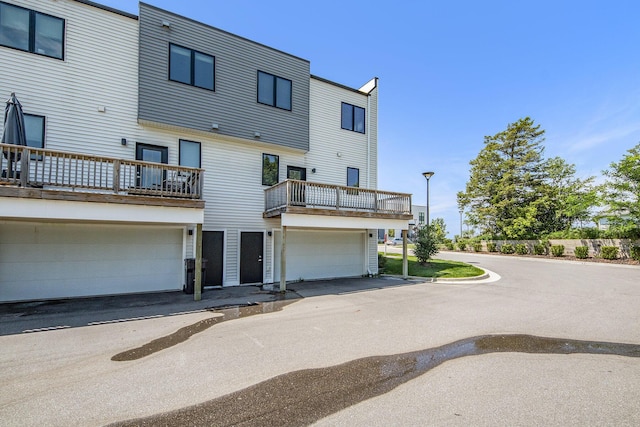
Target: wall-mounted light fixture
{"type": "Point", "coordinates": [215, 126]}
{"type": "Point", "coordinates": [313, 170]}
{"type": "Point", "coordinates": [269, 233]}
{"type": "Point", "coordinates": [190, 232]}
{"type": "Point", "coordinates": [166, 24]}
{"type": "Point", "coordinates": [123, 141]}
{"type": "Point", "coordinates": [256, 134]}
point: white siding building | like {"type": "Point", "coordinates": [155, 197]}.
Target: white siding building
{"type": "Point", "coordinates": [115, 189]}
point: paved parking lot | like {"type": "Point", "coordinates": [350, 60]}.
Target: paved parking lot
{"type": "Point", "coordinates": [338, 335]}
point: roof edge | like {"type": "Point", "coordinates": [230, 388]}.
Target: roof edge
{"type": "Point", "coordinates": [364, 90]}
{"type": "Point", "coordinates": [225, 32]}
{"type": "Point", "coordinates": [108, 9]}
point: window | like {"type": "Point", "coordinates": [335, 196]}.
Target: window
{"type": "Point", "coordinates": [191, 67]}
{"type": "Point", "coordinates": [295, 172]}
{"type": "Point", "coordinates": [352, 118]}
{"type": "Point", "coordinates": [270, 165]}
{"type": "Point", "coordinates": [353, 177]}
{"type": "Point", "coordinates": [31, 31]}
{"type": "Point", "coordinates": [34, 128]}
{"type": "Point", "coordinates": [421, 217]}
{"type": "Point", "coordinates": [274, 91]}
{"type": "Point", "coordinates": [190, 154]}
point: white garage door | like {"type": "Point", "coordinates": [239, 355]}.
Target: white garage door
{"type": "Point", "coordinates": [40, 261]}
{"type": "Point", "coordinates": [321, 254]}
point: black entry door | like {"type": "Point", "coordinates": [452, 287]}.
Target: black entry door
{"type": "Point", "coordinates": [298, 190]}
{"type": "Point", "coordinates": [212, 251]}
{"type": "Point", "coordinates": [251, 257]}
{"type": "Point", "coordinates": [149, 176]}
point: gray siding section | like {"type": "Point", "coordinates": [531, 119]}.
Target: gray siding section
{"type": "Point", "coordinates": [234, 104]}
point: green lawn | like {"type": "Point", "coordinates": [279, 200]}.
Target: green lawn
{"type": "Point", "coordinates": [434, 268]}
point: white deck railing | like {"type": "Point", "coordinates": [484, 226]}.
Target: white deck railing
{"type": "Point", "coordinates": [43, 168]}
{"type": "Point", "coordinates": [336, 197]}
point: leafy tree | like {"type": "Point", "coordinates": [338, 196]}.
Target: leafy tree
{"type": "Point", "coordinates": [439, 230]}
{"type": "Point", "coordinates": [514, 193]}
{"type": "Point", "coordinates": [564, 199]}
{"type": "Point", "coordinates": [622, 191]}
{"type": "Point", "coordinates": [426, 245]}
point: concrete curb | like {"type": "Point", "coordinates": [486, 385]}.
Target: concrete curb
{"type": "Point", "coordinates": [481, 277]}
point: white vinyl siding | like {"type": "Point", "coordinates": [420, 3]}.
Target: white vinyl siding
{"type": "Point", "coordinates": [233, 188]}
{"type": "Point", "coordinates": [39, 261]}
{"type": "Point", "coordinates": [100, 69]}
{"type": "Point", "coordinates": [332, 149]}
{"type": "Point", "coordinates": [90, 101]}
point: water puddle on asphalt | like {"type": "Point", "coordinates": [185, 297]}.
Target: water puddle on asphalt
{"type": "Point", "coordinates": [306, 396]}
{"type": "Point", "coordinates": [183, 334]}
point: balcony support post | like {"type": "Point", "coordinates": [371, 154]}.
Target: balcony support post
{"type": "Point", "coordinates": [405, 262]}
{"type": "Point", "coordinates": [197, 287]}
{"type": "Point", "coordinates": [283, 260]}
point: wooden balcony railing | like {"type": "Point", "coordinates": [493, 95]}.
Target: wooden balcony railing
{"type": "Point", "coordinates": [310, 195]}
{"type": "Point", "coordinates": [50, 169]}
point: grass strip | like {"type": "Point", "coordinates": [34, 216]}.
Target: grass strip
{"type": "Point", "coordinates": [434, 268]}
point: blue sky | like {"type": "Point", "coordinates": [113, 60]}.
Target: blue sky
{"type": "Point", "coordinates": [453, 71]}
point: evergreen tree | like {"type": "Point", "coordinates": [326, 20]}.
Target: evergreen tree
{"type": "Point", "coordinates": [514, 193]}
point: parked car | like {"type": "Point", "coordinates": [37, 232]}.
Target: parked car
{"type": "Point", "coordinates": [395, 241]}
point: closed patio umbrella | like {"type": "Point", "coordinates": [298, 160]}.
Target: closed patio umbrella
{"type": "Point", "coordinates": [13, 131]}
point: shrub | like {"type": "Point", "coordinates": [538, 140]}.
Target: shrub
{"type": "Point", "coordinates": [462, 245]}
{"type": "Point", "coordinates": [522, 249]}
{"type": "Point", "coordinates": [449, 245]}
{"type": "Point", "coordinates": [426, 245]}
{"type": "Point", "coordinates": [477, 247]}
{"type": "Point", "coordinates": [635, 252]}
{"type": "Point", "coordinates": [581, 252]}
{"type": "Point", "coordinates": [539, 249]}
{"type": "Point", "coordinates": [557, 250]}
{"type": "Point", "coordinates": [382, 262]}
{"type": "Point", "coordinates": [507, 248]}
{"type": "Point", "coordinates": [492, 247]}
{"type": "Point", "coordinates": [609, 252]}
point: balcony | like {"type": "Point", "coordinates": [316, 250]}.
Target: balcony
{"type": "Point", "coordinates": [302, 197]}
{"type": "Point", "coordinates": [48, 174]}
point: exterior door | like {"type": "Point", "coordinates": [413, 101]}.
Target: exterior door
{"type": "Point", "coordinates": [150, 177]}
{"type": "Point", "coordinates": [298, 191]}
{"type": "Point", "coordinates": [212, 251]}
{"type": "Point", "coordinates": [251, 254]}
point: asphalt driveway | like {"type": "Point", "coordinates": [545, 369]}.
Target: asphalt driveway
{"type": "Point", "coordinates": [550, 343]}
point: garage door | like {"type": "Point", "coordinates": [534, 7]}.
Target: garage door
{"type": "Point", "coordinates": [40, 261]}
{"type": "Point", "coordinates": [321, 254]}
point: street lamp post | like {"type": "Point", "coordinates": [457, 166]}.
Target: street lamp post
{"type": "Point", "coordinates": [427, 175]}
{"type": "Point", "coordinates": [461, 223]}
